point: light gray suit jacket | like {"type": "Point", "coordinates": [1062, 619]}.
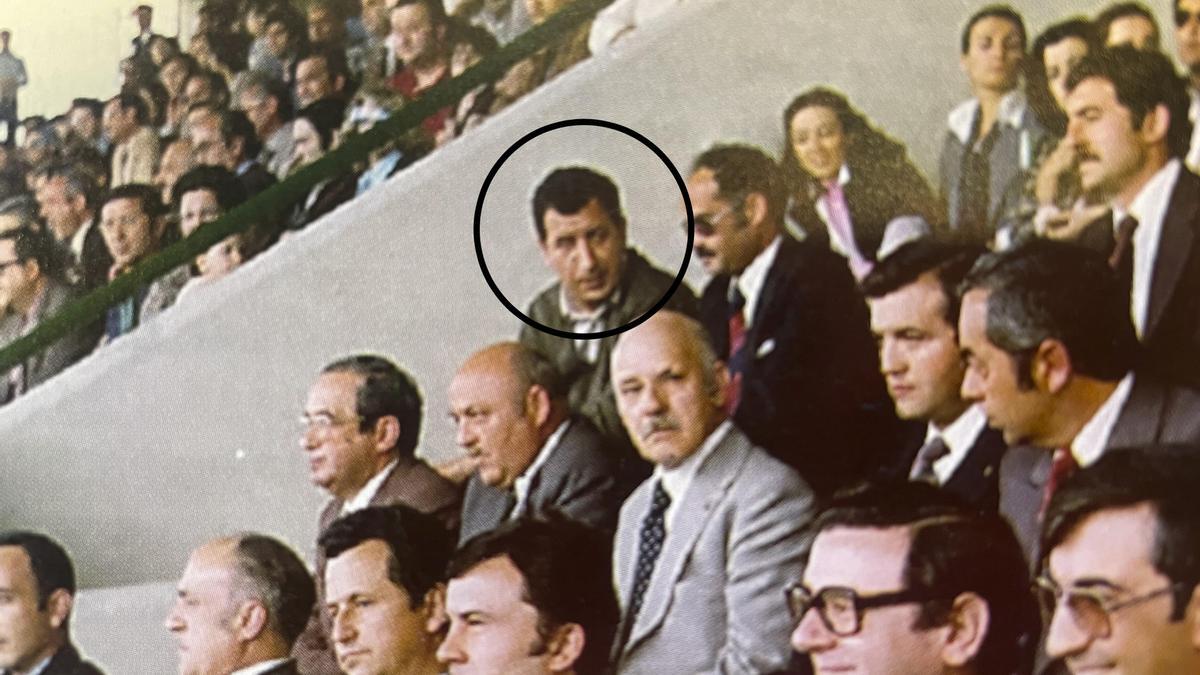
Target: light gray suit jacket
{"type": "Point", "coordinates": [578, 480]}
{"type": "Point", "coordinates": [49, 361]}
{"type": "Point", "coordinates": [715, 602]}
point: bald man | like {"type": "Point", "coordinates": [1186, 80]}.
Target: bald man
{"type": "Point", "coordinates": [533, 455]}
{"type": "Point", "coordinates": [706, 542]}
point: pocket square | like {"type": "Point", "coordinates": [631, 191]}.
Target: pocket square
{"type": "Point", "coordinates": [765, 348]}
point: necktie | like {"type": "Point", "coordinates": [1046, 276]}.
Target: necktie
{"type": "Point", "coordinates": [1061, 467]}
{"type": "Point", "coordinates": [1121, 259]}
{"type": "Point", "coordinates": [650, 545]}
{"type": "Point", "coordinates": [737, 347]}
{"type": "Point", "coordinates": [927, 456]}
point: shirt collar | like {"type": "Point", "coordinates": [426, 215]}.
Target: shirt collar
{"type": "Point", "coordinates": [79, 237]}
{"type": "Point", "coordinates": [959, 437]}
{"type": "Point", "coordinates": [1090, 442]}
{"type": "Point", "coordinates": [1011, 112]}
{"type": "Point", "coordinates": [260, 667]}
{"type": "Point", "coordinates": [565, 307]}
{"type": "Point", "coordinates": [1150, 204]}
{"type": "Point", "coordinates": [750, 282]}
{"type": "Point", "coordinates": [363, 499]}
{"type": "Point", "coordinates": [523, 482]}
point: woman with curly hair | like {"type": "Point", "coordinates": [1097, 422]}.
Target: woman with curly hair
{"type": "Point", "coordinates": [847, 179]}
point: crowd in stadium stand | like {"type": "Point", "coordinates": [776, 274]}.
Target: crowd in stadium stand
{"type": "Point", "coordinates": [906, 427]}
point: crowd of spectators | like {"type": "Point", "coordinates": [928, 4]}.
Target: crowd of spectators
{"type": "Point", "coordinates": [880, 446]}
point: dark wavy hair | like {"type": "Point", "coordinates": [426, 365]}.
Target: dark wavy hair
{"type": "Point", "coordinates": [1037, 88]}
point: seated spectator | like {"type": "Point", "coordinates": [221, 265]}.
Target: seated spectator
{"type": "Point", "coordinates": [983, 149]}
{"type": "Point", "coordinates": [384, 591]}
{"type": "Point", "coordinates": [132, 220]}
{"type": "Point", "coordinates": [177, 159]}
{"type": "Point", "coordinates": [268, 106]}
{"type": "Point", "coordinates": [39, 590]}
{"type": "Point", "coordinates": [32, 294]}
{"type": "Point", "coordinates": [320, 73]}
{"type": "Point", "coordinates": [615, 22]}
{"type": "Point", "coordinates": [259, 58]}
{"type": "Point", "coordinates": [135, 145]}
{"type": "Point", "coordinates": [533, 455]}
{"type": "Point", "coordinates": [314, 132]}
{"type": "Point", "coordinates": [471, 46]}
{"type": "Point", "coordinates": [1052, 365]}
{"type": "Point", "coordinates": [545, 64]}
{"type": "Point", "coordinates": [422, 47]}
{"type": "Point", "coordinates": [846, 179]}
{"type": "Point", "coordinates": [205, 87]}
{"type": "Point", "coordinates": [217, 52]}
{"type": "Point", "coordinates": [173, 76]}
{"type": "Point", "coordinates": [67, 202]}
{"type": "Point", "coordinates": [905, 580]}
{"type": "Point", "coordinates": [560, 570]}
{"type": "Point", "coordinates": [1128, 23]}
{"type": "Point", "coordinates": [229, 141]}
{"type": "Point", "coordinates": [162, 48]}
{"type": "Point", "coordinates": [504, 19]}
{"type": "Point", "coordinates": [84, 115]}
{"type": "Point", "coordinates": [371, 106]}
{"type": "Point", "coordinates": [240, 604]}
{"type": "Point", "coordinates": [913, 295]}
{"type": "Point", "coordinates": [285, 38]}
{"type": "Point", "coordinates": [1119, 582]}
{"type": "Point", "coordinates": [701, 542]}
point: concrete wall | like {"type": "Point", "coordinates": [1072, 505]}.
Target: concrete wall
{"type": "Point", "coordinates": [186, 429]}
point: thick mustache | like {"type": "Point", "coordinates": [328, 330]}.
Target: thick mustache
{"type": "Point", "coordinates": [654, 424]}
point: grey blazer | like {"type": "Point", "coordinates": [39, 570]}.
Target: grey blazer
{"type": "Point", "coordinates": [53, 359]}
{"type": "Point", "coordinates": [578, 480]}
{"type": "Point", "coordinates": [715, 602]}
{"type": "Point", "coordinates": [1154, 413]}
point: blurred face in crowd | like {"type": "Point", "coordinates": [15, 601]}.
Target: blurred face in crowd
{"type": "Point", "coordinates": [377, 628]}
{"type": "Point", "coordinates": [307, 142]}
{"type": "Point", "coordinates": [375, 17]}
{"type": "Point", "coordinates": [314, 82]}
{"type": "Point", "coordinates": [217, 152]}
{"type": "Point", "coordinates": [176, 161]}
{"type": "Point", "coordinates": [819, 142]}
{"type": "Point", "coordinates": [1108, 559]}
{"type": "Point", "coordinates": [666, 400]}
{"type": "Point", "coordinates": [128, 232]}
{"type": "Point", "coordinates": [868, 561]}
{"type": "Point", "coordinates": [260, 109]}
{"type": "Point", "coordinates": [540, 10]}
{"type": "Point", "coordinates": [28, 633]}
{"type": "Point", "coordinates": [918, 351]}
{"type": "Point", "coordinates": [198, 90]}
{"type": "Point", "coordinates": [84, 122]}
{"type": "Point", "coordinates": [1058, 59]}
{"type": "Point", "coordinates": [323, 26]}
{"type": "Point", "coordinates": [1187, 34]}
{"type": "Point", "coordinates": [1112, 152]}
{"type": "Point", "coordinates": [221, 258]}
{"type": "Point", "coordinates": [994, 52]}
{"type": "Point", "coordinates": [119, 123]}
{"type": "Point", "coordinates": [196, 208]}
{"type": "Point", "coordinates": [497, 422]}
{"type": "Point", "coordinates": [1022, 414]}
{"type": "Point", "coordinates": [1135, 31]}
{"type": "Point", "coordinates": [342, 457]}
{"type": "Point", "coordinates": [417, 37]}
{"type": "Point", "coordinates": [255, 20]}
{"type": "Point", "coordinates": [204, 619]}
{"type": "Point", "coordinates": [493, 628]}
{"type": "Point", "coordinates": [19, 279]}
{"type": "Point", "coordinates": [586, 250]}
{"type": "Point", "coordinates": [278, 39]}
{"type": "Point", "coordinates": [173, 75]}
{"type": "Point", "coordinates": [64, 213]}
{"type": "Point", "coordinates": [725, 243]}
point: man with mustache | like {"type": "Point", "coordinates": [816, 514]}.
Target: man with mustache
{"type": "Point", "coordinates": [1128, 113]}
{"type": "Point", "coordinates": [788, 321]}
{"type": "Point", "coordinates": [705, 544]}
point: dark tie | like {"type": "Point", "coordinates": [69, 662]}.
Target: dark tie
{"type": "Point", "coordinates": [737, 347]}
{"type": "Point", "coordinates": [1121, 259]}
{"type": "Point", "coordinates": [650, 545]}
{"type": "Point", "coordinates": [927, 456]}
{"type": "Point", "coordinates": [1061, 467]}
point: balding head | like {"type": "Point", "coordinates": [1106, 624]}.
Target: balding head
{"type": "Point", "coordinates": [669, 386]}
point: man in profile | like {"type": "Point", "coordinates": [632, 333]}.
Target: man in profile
{"type": "Point", "coordinates": [545, 588]}
{"type": "Point", "coordinates": [37, 591]}
{"type": "Point", "coordinates": [533, 455]}
{"type": "Point", "coordinates": [240, 604]}
{"type": "Point", "coordinates": [602, 284]}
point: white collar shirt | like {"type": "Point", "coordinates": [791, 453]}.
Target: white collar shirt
{"type": "Point", "coordinates": [1193, 155]}
{"type": "Point", "coordinates": [1149, 207]}
{"type": "Point", "coordinates": [959, 437]}
{"type": "Point", "coordinates": [676, 481]}
{"type": "Point", "coordinates": [587, 322]}
{"type": "Point", "coordinates": [1092, 439]}
{"type": "Point", "coordinates": [752, 279]}
{"type": "Point", "coordinates": [78, 239]}
{"type": "Point", "coordinates": [1011, 112]}
{"type": "Point", "coordinates": [363, 499]}
{"type": "Point", "coordinates": [259, 668]}
{"type": "Point", "coordinates": [524, 482]}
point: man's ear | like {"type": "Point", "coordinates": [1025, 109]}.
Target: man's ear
{"type": "Point", "coordinates": [970, 619]}
{"type": "Point", "coordinates": [250, 620]}
{"type": "Point", "coordinates": [537, 404]}
{"type": "Point", "coordinates": [755, 208]}
{"type": "Point", "coordinates": [565, 647]}
{"type": "Point", "coordinates": [1051, 366]}
{"type": "Point", "coordinates": [434, 609]}
{"type": "Point", "coordinates": [720, 384]}
{"type": "Point", "coordinates": [386, 432]}
{"type": "Point", "coordinates": [58, 605]}
{"type": "Point", "coordinates": [1156, 124]}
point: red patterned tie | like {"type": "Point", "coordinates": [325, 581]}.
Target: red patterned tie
{"type": "Point", "coordinates": [1061, 467]}
{"type": "Point", "coordinates": [737, 342]}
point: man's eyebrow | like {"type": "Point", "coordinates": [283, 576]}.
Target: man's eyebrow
{"type": "Point", "coordinates": [1097, 582]}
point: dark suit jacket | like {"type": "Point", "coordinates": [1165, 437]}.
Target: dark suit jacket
{"type": "Point", "coordinates": [68, 662]}
{"type": "Point", "coordinates": [1154, 413]}
{"type": "Point", "coordinates": [256, 178]}
{"type": "Point", "coordinates": [67, 350]}
{"type": "Point", "coordinates": [91, 269]}
{"type": "Point", "coordinates": [412, 483]}
{"type": "Point", "coordinates": [812, 394]}
{"type": "Point", "coordinates": [330, 196]}
{"type": "Point", "coordinates": [578, 480]}
{"type": "Point", "coordinates": [977, 478]}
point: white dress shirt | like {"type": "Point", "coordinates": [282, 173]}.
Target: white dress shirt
{"type": "Point", "coordinates": [1091, 440]}
{"type": "Point", "coordinates": [523, 482]}
{"type": "Point", "coordinates": [260, 667]}
{"type": "Point", "coordinates": [1149, 208]}
{"type": "Point", "coordinates": [959, 436]}
{"type": "Point", "coordinates": [1011, 111]}
{"type": "Point", "coordinates": [676, 481]}
{"type": "Point", "coordinates": [1193, 155]}
{"type": "Point", "coordinates": [750, 282]}
{"type": "Point", "coordinates": [363, 499]}
{"type": "Point", "coordinates": [587, 322]}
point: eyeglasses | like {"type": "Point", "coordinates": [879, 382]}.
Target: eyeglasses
{"type": "Point", "coordinates": [324, 422]}
{"type": "Point", "coordinates": [1182, 17]}
{"type": "Point", "coordinates": [841, 609]}
{"type": "Point", "coordinates": [706, 225]}
{"type": "Point", "coordinates": [1090, 611]}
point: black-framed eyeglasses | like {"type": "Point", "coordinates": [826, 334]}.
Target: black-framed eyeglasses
{"type": "Point", "coordinates": [1089, 609]}
{"type": "Point", "coordinates": [1182, 17]}
{"type": "Point", "coordinates": [841, 609]}
{"type": "Point", "coordinates": [706, 225]}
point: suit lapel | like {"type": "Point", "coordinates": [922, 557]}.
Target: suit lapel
{"type": "Point", "coordinates": [768, 309]}
{"type": "Point", "coordinates": [1178, 231]}
{"type": "Point", "coordinates": [1139, 421]}
{"type": "Point", "coordinates": [709, 485]}
{"type": "Point", "coordinates": [978, 468]}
